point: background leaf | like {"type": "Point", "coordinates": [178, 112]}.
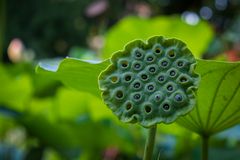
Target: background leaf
{"type": "Point", "coordinates": [78, 74]}
{"type": "Point", "coordinates": [80, 103]}
{"type": "Point", "coordinates": [16, 90]}
{"type": "Point", "coordinates": [218, 105]}
{"type": "Point", "coordinates": [197, 37]}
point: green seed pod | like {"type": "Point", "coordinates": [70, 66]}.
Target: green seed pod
{"type": "Point", "coordinates": [151, 82]}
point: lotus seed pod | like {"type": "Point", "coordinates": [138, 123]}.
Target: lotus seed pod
{"type": "Point", "coordinates": [151, 82]}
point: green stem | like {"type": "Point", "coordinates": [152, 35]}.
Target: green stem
{"type": "Point", "coordinates": [148, 151]}
{"type": "Point", "coordinates": [205, 147]}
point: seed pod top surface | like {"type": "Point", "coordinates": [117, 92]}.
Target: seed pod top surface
{"type": "Point", "coordinates": [151, 82]}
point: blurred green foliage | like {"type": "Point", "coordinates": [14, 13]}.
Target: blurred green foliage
{"type": "Point", "coordinates": [20, 89]}
{"type": "Point", "coordinates": [197, 37]}
{"type": "Point", "coordinates": [61, 123]}
{"type": "Point", "coordinates": [67, 121]}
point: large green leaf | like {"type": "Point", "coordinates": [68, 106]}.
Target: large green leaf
{"type": "Point", "coordinates": [217, 108]}
{"type": "Point", "coordinates": [197, 37]}
{"type": "Point", "coordinates": [218, 105]}
{"type": "Point", "coordinates": [78, 74]}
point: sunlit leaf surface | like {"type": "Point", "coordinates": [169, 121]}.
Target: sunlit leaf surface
{"type": "Point", "coordinates": [78, 74]}
{"type": "Point", "coordinates": [218, 105]}
{"type": "Point", "coordinates": [197, 37]}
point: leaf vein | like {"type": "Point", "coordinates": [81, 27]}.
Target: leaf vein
{"type": "Point", "coordinates": [215, 95]}
{"type": "Point", "coordinates": [226, 106]}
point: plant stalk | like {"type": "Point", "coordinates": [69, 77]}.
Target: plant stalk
{"type": "Point", "coordinates": [149, 146]}
{"type": "Point", "coordinates": [205, 147]}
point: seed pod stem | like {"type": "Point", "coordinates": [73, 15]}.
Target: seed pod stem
{"type": "Point", "coordinates": [149, 145]}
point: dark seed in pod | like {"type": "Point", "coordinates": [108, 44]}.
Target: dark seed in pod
{"type": "Point", "coordinates": [150, 87]}
{"type": "Point", "coordinates": [114, 79]}
{"type": "Point", "coordinates": [157, 97]}
{"type": "Point", "coordinates": [161, 78]}
{"type": "Point", "coordinates": [128, 78]}
{"type": "Point", "coordinates": [148, 109]}
{"type": "Point", "coordinates": [180, 64]}
{"type": "Point", "coordinates": [178, 97]}
{"type": "Point", "coordinates": [172, 73]}
{"type": "Point", "coordinates": [137, 96]}
{"type": "Point", "coordinates": [105, 93]}
{"type": "Point", "coordinates": [128, 106]}
{"type": "Point", "coordinates": [124, 64]}
{"type": "Point", "coordinates": [157, 50]}
{"type": "Point", "coordinates": [166, 107]}
{"type": "Point", "coordinates": [149, 59]}
{"type": "Point", "coordinates": [144, 76]}
{"type": "Point", "coordinates": [152, 69]}
{"type": "Point", "coordinates": [135, 118]}
{"type": "Point", "coordinates": [138, 54]}
{"type": "Point", "coordinates": [171, 53]}
{"type": "Point", "coordinates": [119, 94]}
{"type": "Point", "coordinates": [169, 87]}
{"type": "Point", "coordinates": [164, 63]}
{"type": "Point", "coordinates": [137, 65]}
{"type": "Point", "coordinates": [183, 79]}
{"type": "Point", "coordinates": [136, 85]}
